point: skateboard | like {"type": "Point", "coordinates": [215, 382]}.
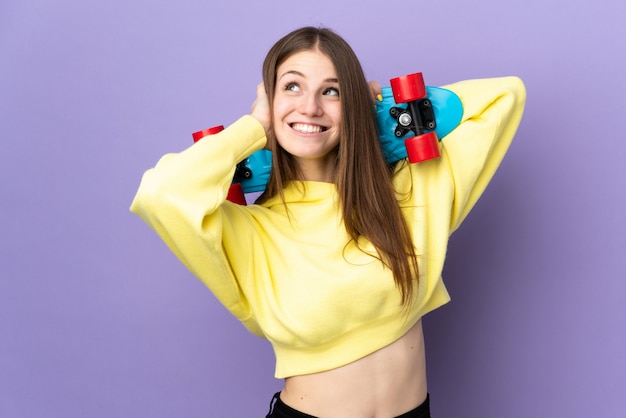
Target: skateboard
{"type": "Point", "coordinates": [251, 174]}
{"type": "Point", "coordinates": [412, 119]}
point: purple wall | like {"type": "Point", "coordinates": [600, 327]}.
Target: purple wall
{"type": "Point", "coordinates": [98, 319]}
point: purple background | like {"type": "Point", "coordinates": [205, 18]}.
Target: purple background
{"type": "Point", "coordinates": [98, 319]}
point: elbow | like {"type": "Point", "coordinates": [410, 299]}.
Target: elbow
{"type": "Point", "coordinates": [517, 89]}
{"type": "Point", "coordinates": [146, 195]}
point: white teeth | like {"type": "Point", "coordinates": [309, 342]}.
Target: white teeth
{"type": "Point", "coordinates": [307, 129]}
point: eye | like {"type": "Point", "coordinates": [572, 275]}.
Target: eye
{"type": "Point", "coordinates": [331, 91]}
{"type": "Point", "coordinates": [292, 87]}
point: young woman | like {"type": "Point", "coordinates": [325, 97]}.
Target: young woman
{"type": "Point", "coordinates": [341, 256]}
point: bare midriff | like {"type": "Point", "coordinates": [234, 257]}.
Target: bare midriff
{"type": "Point", "coordinates": [384, 384]}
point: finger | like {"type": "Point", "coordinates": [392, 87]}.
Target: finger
{"type": "Point", "coordinates": [260, 107]}
{"type": "Point", "coordinates": [375, 89]}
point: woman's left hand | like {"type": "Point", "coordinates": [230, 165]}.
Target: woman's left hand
{"type": "Point", "coordinates": [375, 88]}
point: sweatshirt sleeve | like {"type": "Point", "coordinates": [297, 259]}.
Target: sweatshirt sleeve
{"type": "Point", "coordinates": [183, 198]}
{"type": "Point", "coordinates": [492, 111]}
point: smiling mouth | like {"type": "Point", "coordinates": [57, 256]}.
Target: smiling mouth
{"type": "Point", "coordinates": [308, 129]}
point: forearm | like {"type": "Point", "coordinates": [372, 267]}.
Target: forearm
{"type": "Point", "coordinates": [180, 198]}
{"type": "Point", "coordinates": [493, 109]}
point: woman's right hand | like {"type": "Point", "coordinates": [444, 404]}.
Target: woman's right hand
{"type": "Point", "coordinates": [260, 109]}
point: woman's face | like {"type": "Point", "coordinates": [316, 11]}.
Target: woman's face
{"type": "Point", "coordinates": [307, 112]}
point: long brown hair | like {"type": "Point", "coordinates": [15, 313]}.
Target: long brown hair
{"type": "Point", "coordinates": [362, 176]}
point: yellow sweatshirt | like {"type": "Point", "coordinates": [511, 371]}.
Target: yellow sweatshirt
{"type": "Point", "coordinates": [292, 279]}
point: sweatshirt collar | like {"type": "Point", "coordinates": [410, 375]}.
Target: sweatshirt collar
{"type": "Point", "coordinates": [298, 192]}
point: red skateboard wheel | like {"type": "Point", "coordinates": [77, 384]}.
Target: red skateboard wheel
{"type": "Point", "coordinates": [408, 88]}
{"type": "Point", "coordinates": [201, 134]}
{"type": "Point", "coordinates": [236, 195]}
{"type": "Point", "coordinates": [422, 147]}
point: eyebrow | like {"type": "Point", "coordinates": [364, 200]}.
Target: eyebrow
{"type": "Point", "coordinates": [298, 73]}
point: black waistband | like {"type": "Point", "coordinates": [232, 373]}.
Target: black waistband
{"type": "Point", "coordinates": [279, 409]}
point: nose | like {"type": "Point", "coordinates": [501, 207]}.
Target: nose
{"type": "Point", "coordinates": [310, 105]}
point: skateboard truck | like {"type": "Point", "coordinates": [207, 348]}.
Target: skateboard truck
{"type": "Point", "coordinates": [418, 117]}
{"type": "Point", "coordinates": [242, 172]}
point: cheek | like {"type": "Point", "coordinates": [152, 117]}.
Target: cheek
{"type": "Point", "coordinates": [334, 111]}
{"type": "Point", "coordinates": [280, 108]}
{"type": "Point", "coordinates": [275, 115]}
{"type": "Point", "coordinates": [277, 121]}
{"type": "Point", "coordinates": [278, 116]}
